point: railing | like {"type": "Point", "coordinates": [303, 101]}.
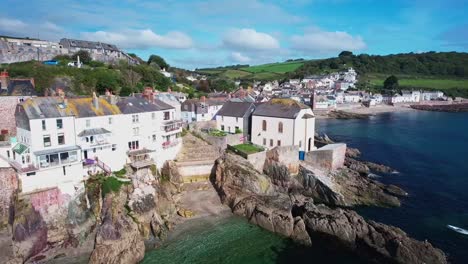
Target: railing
{"type": "Point", "coordinates": [170, 144]}
{"type": "Point", "coordinates": [103, 166]}
{"type": "Point", "coordinates": [172, 125]}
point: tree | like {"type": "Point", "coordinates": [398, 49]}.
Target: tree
{"type": "Point", "coordinates": [345, 53]}
{"type": "Point", "coordinates": [391, 83]}
{"type": "Point", "coordinates": [126, 91]}
{"type": "Point", "coordinates": [334, 65]}
{"type": "Point", "coordinates": [85, 57]}
{"type": "Point", "coordinates": [158, 60]}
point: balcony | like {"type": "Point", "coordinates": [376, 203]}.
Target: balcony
{"type": "Point", "coordinates": [172, 125]}
{"type": "Point", "coordinates": [170, 144]}
{"type": "Point", "coordinates": [95, 137]}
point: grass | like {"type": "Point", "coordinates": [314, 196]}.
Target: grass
{"type": "Point", "coordinates": [420, 81]}
{"type": "Point", "coordinates": [248, 148]}
{"type": "Point", "coordinates": [217, 133]}
{"type": "Point", "coordinates": [282, 67]}
{"type": "Point", "coordinates": [235, 74]}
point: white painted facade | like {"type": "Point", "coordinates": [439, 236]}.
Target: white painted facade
{"type": "Point", "coordinates": [229, 124]}
{"type": "Point", "coordinates": [53, 150]}
{"type": "Point", "coordinates": [297, 131]}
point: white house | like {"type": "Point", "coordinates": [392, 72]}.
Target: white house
{"type": "Point", "coordinates": [234, 117]}
{"type": "Point", "coordinates": [283, 122]}
{"type": "Point", "coordinates": [195, 110]}
{"type": "Point", "coordinates": [61, 141]}
{"type": "Point", "coordinates": [352, 97]}
{"type": "Point", "coordinates": [431, 95]}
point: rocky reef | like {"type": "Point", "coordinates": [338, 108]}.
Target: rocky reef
{"type": "Point", "coordinates": [290, 206]}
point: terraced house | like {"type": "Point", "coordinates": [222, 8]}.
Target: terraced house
{"type": "Point", "coordinates": [62, 141]}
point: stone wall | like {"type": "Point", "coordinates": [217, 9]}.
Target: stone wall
{"type": "Point", "coordinates": [192, 171]}
{"type": "Point", "coordinates": [7, 108]}
{"type": "Point", "coordinates": [221, 143]}
{"type": "Point", "coordinates": [8, 188]}
{"type": "Point", "coordinates": [329, 157]}
{"type": "Point", "coordinates": [287, 155]}
{"type": "Point", "coordinates": [10, 53]}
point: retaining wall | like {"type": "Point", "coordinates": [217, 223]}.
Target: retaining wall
{"type": "Point", "coordinates": [329, 157]}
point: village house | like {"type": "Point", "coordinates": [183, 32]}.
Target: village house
{"type": "Point", "coordinates": [235, 118]}
{"type": "Point", "coordinates": [60, 141]}
{"type": "Point", "coordinates": [431, 95]}
{"type": "Point", "coordinates": [283, 122]}
{"type": "Point", "coordinates": [196, 110]}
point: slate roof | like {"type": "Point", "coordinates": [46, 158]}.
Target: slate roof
{"type": "Point", "coordinates": [72, 43]}
{"type": "Point", "coordinates": [134, 105]}
{"type": "Point", "coordinates": [234, 109]}
{"type": "Point", "coordinates": [19, 88]}
{"type": "Point", "coordinates": [282, 108]}
{"type": "Point", "coordinates": [53, 107]}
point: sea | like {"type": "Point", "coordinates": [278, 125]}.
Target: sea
{"type": "Point", "coordinates": [428, 149]}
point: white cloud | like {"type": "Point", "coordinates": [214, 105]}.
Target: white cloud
{"type": "Point", "coordinates": [141, 39]}
{"type": "Point", "coordinates": [322, 42]}
{"type": "Point", "coordinates": [238, 57]}
{"type": "Point", "coordinates": [249, 40]}
{"type": "Point", "coordinates": [12, 24]}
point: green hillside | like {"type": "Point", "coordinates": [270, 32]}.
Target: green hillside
{"type": "Point", "coordinates": [271, 71]}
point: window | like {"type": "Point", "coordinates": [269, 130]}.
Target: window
{"type": "Point", "coordinates": [114, 147]}
{"type": "Point", "coordinates": [46, 140]}
{"type": "Point", "coordinates": [264, 125]}
{"type": "Point", "coordinates": [44, 125]}
{"type": "Point", "coordinates": [153, 116]}
{"type": "Point", "coordinates": [154, 138]}
{"type": "Point", "coordinates": [22, 159]}
{"type": "Point", "coordinates": [135, 119]}
{"type": "Point", "coordinates": [64, 171]}
{"type": "Point", "coordinates": [110, 120]}
{"type": "Point", "coordinates": [264, 142]}
{"type": "Point", "coordinates": [280, 127]}
{"type": "Point", "coordinates": [8, 153]}
{"type": "Point", "coordinates": [222, 118]}
{"type": "Point", "coordinates": [64, 157]}
{"type": "Point", "coordinates": [271, 142]}
{"type": "Point", "coordinates": [30, 174]}
{"type": "Point", "coordinates": [61, 139]}
{"type": "Point", "coordinates": [59, 123]}
{"type": "Point", "coordinates": [300, 143]}
{"type": "Point", "coordinates": [88, 122]}
{"type": "Point", "coordinates": [222, 127]}
{"type": "Point", "coordinates": [237, 119]}
{"type": "Point", "coordinates": [133, 145]}
{"type": "Point", "coordinates": [136, 131]}
{"type": "Point", "coordinates": [167, 116]}
{"type": "Point", "coordinates": [279, 143]}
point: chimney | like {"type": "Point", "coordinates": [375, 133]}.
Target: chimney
{"type": "Point", "coordinates": [203, 98]}
{"type": "Point", "coordinates": [107, 92]}
{"type": "Point", "coordinates": [95, 101]}
{"type": "Point", "coordinates": [4, 80]}
{"type": "Point", "coordinates": [169, 90]}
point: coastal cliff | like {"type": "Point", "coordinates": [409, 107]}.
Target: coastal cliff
{"type": "Point", "coordinates": [295, 213]}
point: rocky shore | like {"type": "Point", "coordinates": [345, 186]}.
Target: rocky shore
{"type": "Point", "coordinates": [455, 107]}
{"type": "Point", "coordinates": [312, 213]}
{"type": "Point", "coordinates": [109, 224]}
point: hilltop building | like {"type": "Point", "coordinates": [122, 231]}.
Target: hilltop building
{"type": "Point", "coordinates": [235, 117]}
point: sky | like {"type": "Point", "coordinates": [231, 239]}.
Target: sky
{"type": "Point", "coordinates": [195, 34]}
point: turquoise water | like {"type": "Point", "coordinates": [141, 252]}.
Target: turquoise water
{"type": "Point", "coordinates": [233, 240]}
{"type": "Point", "coordinates": [430, 150]}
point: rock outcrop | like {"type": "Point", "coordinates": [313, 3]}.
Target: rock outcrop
{"type": "Point", "coordinates": [292, 214]}
{"type": "Point", "coordinates": [118, 238]}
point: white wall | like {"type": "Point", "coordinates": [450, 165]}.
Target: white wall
{"type": "Point", "coordinates": [230, 123]}
{"type": "Point", "coordinates": [295, 131]}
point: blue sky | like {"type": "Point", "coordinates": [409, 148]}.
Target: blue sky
{"type": "Point", "coordinates": [209, 33]}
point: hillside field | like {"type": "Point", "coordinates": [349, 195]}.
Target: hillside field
{"type": "Point", "coordinates": [441, 83]}
{"type": "Point", "coordinates": [283, 67]}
